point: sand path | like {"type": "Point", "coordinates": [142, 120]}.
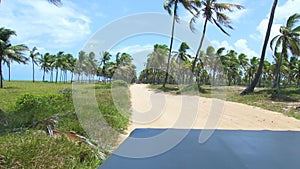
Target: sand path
{"type": "Point", "coordinates": [151, 109]}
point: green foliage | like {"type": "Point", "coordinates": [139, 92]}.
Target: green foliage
{"type": "Point", "coordinates": [30, 108]}
{"type": "Point", "coordinates": [35, 149]}
{"type": "Point", "coordinates": [119, 83]}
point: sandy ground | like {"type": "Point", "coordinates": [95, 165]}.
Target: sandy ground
{"type": "Point", "coordinates": [152, 109]}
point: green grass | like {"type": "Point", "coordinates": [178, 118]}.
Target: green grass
{"type": "Point", "coordinates": [38, 150]}
{"type": "Point", "coordinates": [12, 90]}
{"type": "Point", "coordinates": [285, 102]}
{"type": "Point", "coordinates": [24, 142]}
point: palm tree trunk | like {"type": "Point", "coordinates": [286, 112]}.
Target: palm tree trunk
{"type": "Point", "coordinates": [250, 88]}
{"type": "Point", "coordinates": [277, 77]}
{"type": "Point", "coordinates": [199, 49]}
{"type": "Point", "coordinates": [72, 77]}
{"type": "Point", "coordinates": [32, 71]}
{"type": "Point", "coordinates": [171, 43]}
{"type": "Point", "coordinates": [9, 70]}
{"type": "Point", "coordinates": [44, 74]}
{"type": "Point", "coordinates": [1, 77]}
{"type": "Point", "coordinates": [56, 76]}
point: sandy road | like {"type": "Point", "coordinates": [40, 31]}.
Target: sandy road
{"type": "Point", "coordinates": [152, 109]}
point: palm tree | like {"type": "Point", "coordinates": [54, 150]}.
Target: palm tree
{"type": "Point", "coordinates": [33, 55]}
{"type": "Point", "coordinates": [8, 52]}
{"type": "Point", "coordinates": [189, 5]}
{"type": "Point", "coordinates": [288, 40]}
{"type": "Point", "coordinates": [251, 87]}
{"type": "Point", "coordinates": [212, 12]}
{"type": "Point", "coordinates": [45, 63]}
{"type": "Point", "coordinates": [15, 53]}
{"type": "Point", "coordinates": [181, 58]}
{"type": "Point", "coordinates": [58, 63]}
{"type": "Point", "coordinates": [292, 70]}
{"type": "Point", "coordinates": [106, 56]}
{"type": "Point", "coordinates": [243, 61]}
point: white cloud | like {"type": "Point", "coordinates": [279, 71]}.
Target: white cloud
{"type": "Point", "coordinates": [281, 15]}
{"type": "Point", "coordinates": [41, 23]}
{"type": "Point", "coordinates": [133, 49]}
{"type": "Point", "coordinates": [240, 46]}
{"type": "Point", "coordinates": [236, 15]}
{"type": "Point", "coordinates": [262, 28]}
{"type": "Point", "coordinates": [224, 44]}
{"type": "Point", "coordinates": [289, 8]}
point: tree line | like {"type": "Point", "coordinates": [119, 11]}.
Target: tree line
{"type": "Point", "coordinates": [218, 64]}
{"type": "Point", "coordinates": [59, 65]}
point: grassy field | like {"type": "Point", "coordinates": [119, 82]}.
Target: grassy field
{"type": "Point", "coordinates": [285, 102]}
{"type": "Point", "coordinates": [27, 109]}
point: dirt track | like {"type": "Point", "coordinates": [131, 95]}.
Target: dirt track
{"type": "Point", "coordinates": [152, 109]}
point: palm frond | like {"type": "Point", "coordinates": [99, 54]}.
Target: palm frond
{"type": "Point", "coordinates": [55, 2]}
{"type": "Point", "coordinates": [223, 19]}
{"type": "Point", "coordinates": [297, 29]}
{"type": "Point", "coordinates": [292, 20]}
{"type": "Point", "coordinates": [293, 45]}
{"type": "Point", "coordinates": [227, 7]}
{"type": "Point", "coordinates": [220, 27]}
{"type": "Point", "coordinates": [273, 40]}
{"type": "Point", "coordinates": [279, 43]}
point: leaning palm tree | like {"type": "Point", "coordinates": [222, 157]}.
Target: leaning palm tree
{"type": "Point", "coordinates": [9, 52]}
{"type": "Point", "coordinates": [288, 40]}
{"type": "Point", "coordinates": [189, 5]}
{"type": "Point", "coordinates": [251, 87]}
{"type": "Point", "coordinates": [15, 53]}
{"type": "Point", "coordinates": [212, 11]}
{"type": "Point", "coordinates": [33, 55]}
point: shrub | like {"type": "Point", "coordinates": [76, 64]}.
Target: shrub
{"type": "Point", "coordinates": [119, 83]}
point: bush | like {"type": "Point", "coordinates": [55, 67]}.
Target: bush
{"type": "Point", "coordinates": [119, 83]}
{"type": "Point", "coordinates": [30, 108]}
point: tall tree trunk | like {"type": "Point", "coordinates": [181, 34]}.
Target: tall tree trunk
{"type": "Point", "coordinates": [1, 76]}
{"type": "Point", "coordinates": [32, 71]}
{"type": "Point", "coordinates": [44, 74]}
{"type": "Point", "coordinates": [72, 77]}
{"type": "Point", "coordinates": [250, 88]}
{"type": "Point", "coordinates": [278, 77]}
{"type": "Point", "coordinates": [171, 43]}
{"type": "Point", "coordinates": [199, 49]}
{"type": "Point", "coordinates": [9, 70]}
{"type": "Point", "coordinates": [56, 76]}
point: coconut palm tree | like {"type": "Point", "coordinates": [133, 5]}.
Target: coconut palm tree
{"type": "Point", "coordinates": [181, 57]}
{"type": "Point", "coordinates": [15, 53]}
{"type": "Point", "coordinates": [45, 63]}
{"type": "Point", "coordinates": [33, 55]}
{"type": "Point", "coordinates": [9, 52]}
{"type": "Point", "coordinates": [189, 5]}
{"type": "Point", "coordinates": [212, 12]}
{"type": "Point", "coordinates": [244, 63]}
{"type": "Point", "coordinates": [104, 63]}
{"type": "Point", "coordinates": [58, 63]}
{"type": "Point", "coordinates": [288, 40]}
{"type": "Point", "coordinates": [251, 87]}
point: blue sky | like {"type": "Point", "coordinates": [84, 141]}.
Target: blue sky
{"type": "Point", "coordinates": [70, 27]}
